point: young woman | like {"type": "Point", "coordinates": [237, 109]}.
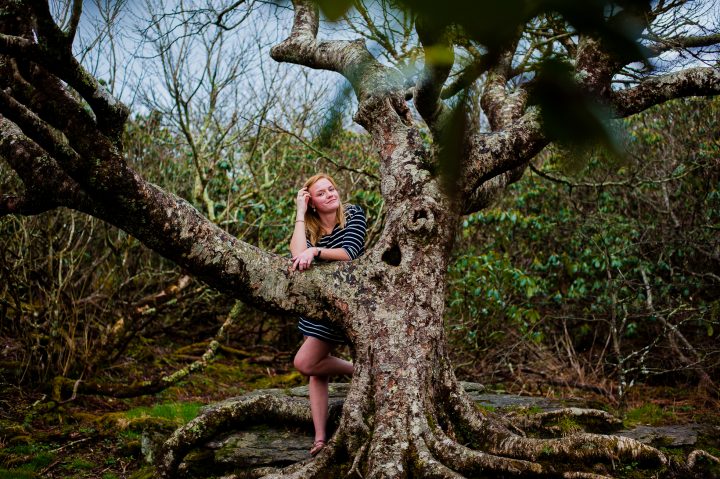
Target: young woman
{"type": "Point", "coordinates": [325, 230]}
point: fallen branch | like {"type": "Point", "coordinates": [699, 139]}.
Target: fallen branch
{"type": "Point", "coordinates": [141, 388]}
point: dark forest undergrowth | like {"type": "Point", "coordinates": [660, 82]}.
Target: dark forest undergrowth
{"type": "Point", "coordinates": [101, 437]}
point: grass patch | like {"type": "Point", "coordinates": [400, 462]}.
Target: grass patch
{"type": "Point", "coordinates": [179, 412]}
{"type": "Point", "coordinates": [487, 408]}
{"type": "Point", "coordinates": [79, 464]}
{"type": "Point", "coordinates": [34, 463]}
{"type": "Point", "coordinates": [568, 425]}
{"type": "Point", "coordinates": [129, 435]}
{"type": "Point", "coordinates": [17, 474]}
{"type": "Point", "coordinates": [650, 414]}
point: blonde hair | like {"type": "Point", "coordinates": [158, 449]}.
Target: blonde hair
{"type": "Point", "coordinates": [312, 220]}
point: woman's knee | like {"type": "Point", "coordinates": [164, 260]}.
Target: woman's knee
{"type": "Point", "coordinates": [310, 354]}
{"type": "Point", "coordinates": [303, 363]}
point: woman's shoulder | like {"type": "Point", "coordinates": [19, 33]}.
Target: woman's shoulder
{"type": "Point", "coordinates": [352, 210]}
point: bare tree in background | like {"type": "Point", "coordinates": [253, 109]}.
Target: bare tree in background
{"type": "Point", "coordinates": [405, 414]}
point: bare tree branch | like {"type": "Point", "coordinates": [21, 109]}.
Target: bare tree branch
{"type": "Point", "coordinates": [492, 189]}
{"type": "Point", "coordinates": [500, 107]}
{"type": "Point", "coordinates": [661, 45]}
{"type": "Point", "coordinates": [74, 20]}
{"type": "Point", "coordinates": [700, 81]}
{"type": "Point", "coordinates": [468, 75]}
{"type": "Point", "coordinates": [23, 205]}
{"type": "Point", "coordinates": [92, 175]}
{"type": "Point", "coordinates": [503, 153]}
{"type": "Point", "coordinates": [46, 185]}
{"type": "Point", "coordinates": [110, 114]}
{"type": "Point", "coordinates": [349, 58]}
{"type": "Point", "coordinates": [435, 73]}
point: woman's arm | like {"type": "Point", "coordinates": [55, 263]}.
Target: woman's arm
{"type": "Point", "coordinates": [298, 242]}
{"type": "Point", "coordinates": [333, 254]}
{"type": "Point", "coordinates": [355, 230]}
{"type": "Point", "coordinates": [353, 242]}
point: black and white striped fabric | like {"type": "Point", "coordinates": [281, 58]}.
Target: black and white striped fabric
{"type": "Point", "coordinates": [352, 240]}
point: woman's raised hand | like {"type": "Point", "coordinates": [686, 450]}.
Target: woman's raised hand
{"type": "Point", "coordinates": [303, 198]}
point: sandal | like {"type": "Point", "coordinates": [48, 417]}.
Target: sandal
{"type": "Point", "coordinates": [317, 447]}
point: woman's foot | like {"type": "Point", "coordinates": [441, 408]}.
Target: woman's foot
{"type": "Point", "coordinates": [317, 447]}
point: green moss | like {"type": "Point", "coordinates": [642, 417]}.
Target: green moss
{"type": "Point", "coordinates": [19, 449]}
{"type": "Point", "coordinates": [289, 380]}
{"type": "Point", "coordinates": [130, 448]}
{"type": "Point", "coordinates": [650, 414]}
{"type": "Point", "coordinates": [485, 408]}
{"type": "Point", "coordinates": [144, 473]}
{"type": "Point", "coordinates": [20, 440]}
{"type": "Point", "coordinates": [130, 435]}
{"type": "Point", "coordinates": [179, 412]}
{"type": "Point", "coordinates": [17, 474]}
{"type": "Point", "coordinates": [27, 458]}
{"type": "Point", "coordinates": [79, 463]}
{"type": "Point", "coordinates": [567, 425]}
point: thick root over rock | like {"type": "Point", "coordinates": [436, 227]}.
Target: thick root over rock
{"type": "Point", "coordinates": [227, 416]}
{"type": "Point", "coordinates": [435, 433]}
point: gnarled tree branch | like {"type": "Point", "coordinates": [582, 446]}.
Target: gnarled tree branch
{"type": "Point", "coordinates": [501, 107]}
{"type": "Point", "coordinates": [661, 45]}
{"type": "Point", "coordinates": [109, 112]}
{"type": "Point", "coordinates": [700, 81]}
{"type": "Point", "coordinates": [47, 186]}
{"type": "Point", "coordinates": [505, 152]}
{"type": "Point", "coordinates": [349, 58]}
{"type": "Point", "coordinates": [434, 74]}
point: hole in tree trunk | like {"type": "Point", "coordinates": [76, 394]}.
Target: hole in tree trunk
{"type": "Point", "coordinates": [419, 214]}
{"type": "Point", "coordinates": [392, 256]}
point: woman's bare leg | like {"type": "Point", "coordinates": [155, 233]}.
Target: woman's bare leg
{"type": "Point", "coordinates": [318, 389]}
{"type": "Point", "coordinates": [314, 360]}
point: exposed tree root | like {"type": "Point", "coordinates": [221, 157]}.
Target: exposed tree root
{"type": "Point", "coordinates": [359, 456]}
{"type": "Point", "coordinates": [470, 461]}
{"type": "Point", "coordinates": [582, 447]}
{"type": "Point", "coordinates": [423, 442]}
{"type": "Point", "coordinates": [228, 416]}
{"type": "Point", "coordinates": [584, 475]}
{"type": "Point", "coordinates": [356, 410]}
{"type": "Point", "coordinates": [692, 461]}
{"type": "Point", "coordinates": [349, 441]}
{"type": "Point", "coordinates": [429, 467]}
{"type": "Point", "coordinates": [500, 441]}
{"type": "Point", "coordinates": [594, 419]}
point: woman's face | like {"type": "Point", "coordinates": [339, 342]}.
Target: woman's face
{"type": "Point", "coordinates": [323, 196]}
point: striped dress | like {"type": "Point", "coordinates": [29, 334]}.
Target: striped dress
{"type": "Point", "coordinates": [352, 240]}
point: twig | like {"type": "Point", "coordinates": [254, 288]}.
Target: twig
{"type": "Point", "coordinates": [628, 183]}
{"type": "Point", "coordinates": [322, 154]}
{"type": "Point", "coordinates": [70, 444]}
